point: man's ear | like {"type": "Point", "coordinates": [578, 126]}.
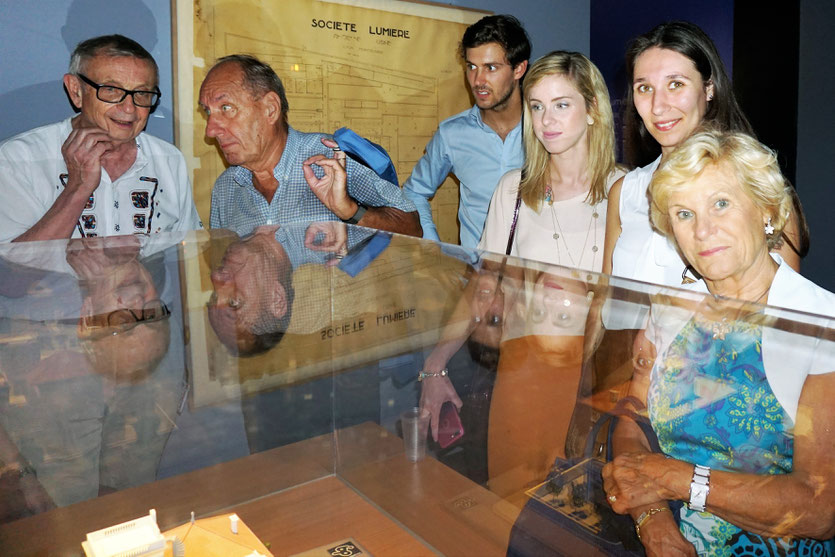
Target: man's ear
{"type": "Point", "coordinates": [73, 86]}
{"type": "Point", "coordinates": [277, 301]}
{"type": "Point", "coordinates": [272, 107]}
{"type": "Point", "coordinates": [519, 69]}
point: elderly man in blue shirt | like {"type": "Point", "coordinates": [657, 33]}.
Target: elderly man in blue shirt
{"type": "Point", "coordinates": [482, 143]}
{"type": "Point", "coordinates": [278, 175]}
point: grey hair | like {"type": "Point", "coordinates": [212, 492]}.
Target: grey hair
{"type": "Point", "coordinates": [109, 45]}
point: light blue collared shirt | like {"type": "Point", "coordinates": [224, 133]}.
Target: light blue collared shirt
{"type": "Point", "coordinates": [467, 147]}
{"type": "Point", "coordinates": [238, 206]}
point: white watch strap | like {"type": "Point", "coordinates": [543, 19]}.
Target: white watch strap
{"type": "Point", "coordinates": [699, 488]}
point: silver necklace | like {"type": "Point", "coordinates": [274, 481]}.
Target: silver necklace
{"type": "Point", "coordinates": [722, 327]}
{"type": "Point", "coordinates": [559, 235]}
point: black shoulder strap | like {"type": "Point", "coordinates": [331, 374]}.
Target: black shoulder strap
{"type": "Point", "coordinates": [513, 224]}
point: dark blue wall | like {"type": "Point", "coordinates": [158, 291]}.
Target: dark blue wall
{"type": "Point", "coordinates": [815, 134]}
{"type": "Point", "coordinates": [613, 24]}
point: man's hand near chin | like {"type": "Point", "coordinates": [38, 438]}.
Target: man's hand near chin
{"type": "Point", "coordinates": [82, 152]}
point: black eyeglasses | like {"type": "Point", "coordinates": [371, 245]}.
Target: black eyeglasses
{"type": "Point", "coordinates": [114, 95]}
{"type": "Point", "coordinates": [124, 319]}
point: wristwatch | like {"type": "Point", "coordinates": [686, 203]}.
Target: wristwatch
{"type": "Point", "coordinates": [699, 488]}
{"type": "Point", "coordinates": [361, 209]}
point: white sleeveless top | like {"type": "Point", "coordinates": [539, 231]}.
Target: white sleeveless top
{"type": "Point", "coordinates": [641, 253]}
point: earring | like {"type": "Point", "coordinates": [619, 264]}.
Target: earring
{"type": "Point", "coordinates": [589, 119]}
{"type": "Point", "coordinates": [769, 230]}
{"type": "Point", "coordinates": [710, 98]}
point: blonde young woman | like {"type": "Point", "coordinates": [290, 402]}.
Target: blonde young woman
{"type": "Point", "coordinates": [568, 170]}
{"type": "Point", "coordinates": [561, 196]}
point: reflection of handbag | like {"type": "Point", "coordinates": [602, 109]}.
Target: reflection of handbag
{"type": "Point", "coordinates": [568, 513]}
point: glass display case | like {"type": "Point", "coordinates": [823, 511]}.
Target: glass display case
{"type": "Point", "coordinates": [269, 377]}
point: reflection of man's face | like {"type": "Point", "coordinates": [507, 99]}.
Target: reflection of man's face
{"type": "Point", "coordinates": [127, 286]}
{"type": "Point", "coordinates": [488, 308]}
{"type": "Point", "coordinates": [124, 348]}
{"type": "Point", "coordinates": [246, 290]}
{"type": "Point", "coordinates": [133, 355]}
{"type": "Point", "coordinates": [233, 307]}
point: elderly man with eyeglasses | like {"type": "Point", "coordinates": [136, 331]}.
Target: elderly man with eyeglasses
{"type": "Point", "coordinates": [97, 173]}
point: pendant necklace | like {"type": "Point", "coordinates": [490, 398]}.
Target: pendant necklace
{"type": "Point", "coordinates": [559, 235]}
{"type": "Point", "coordinates": [722, 327]}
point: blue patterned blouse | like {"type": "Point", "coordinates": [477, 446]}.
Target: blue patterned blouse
{"type": "Point", "coordinates": [710, 403]}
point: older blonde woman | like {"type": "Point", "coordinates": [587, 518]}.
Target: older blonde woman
{"type": "Point", "coordinates": [740, 405]}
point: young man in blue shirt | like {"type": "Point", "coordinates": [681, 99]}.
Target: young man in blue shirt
{"type": "Point", "coordinates": [482, 143]}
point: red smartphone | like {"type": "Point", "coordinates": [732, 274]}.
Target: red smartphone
{"type": "Point", "coordinates": [450, 429]}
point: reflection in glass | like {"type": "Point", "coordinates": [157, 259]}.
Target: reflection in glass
{"type": "Point", "coordinates": [289, 436]}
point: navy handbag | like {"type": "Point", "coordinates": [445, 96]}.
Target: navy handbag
{"type": "Point", "coordinates": [568, 514]}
